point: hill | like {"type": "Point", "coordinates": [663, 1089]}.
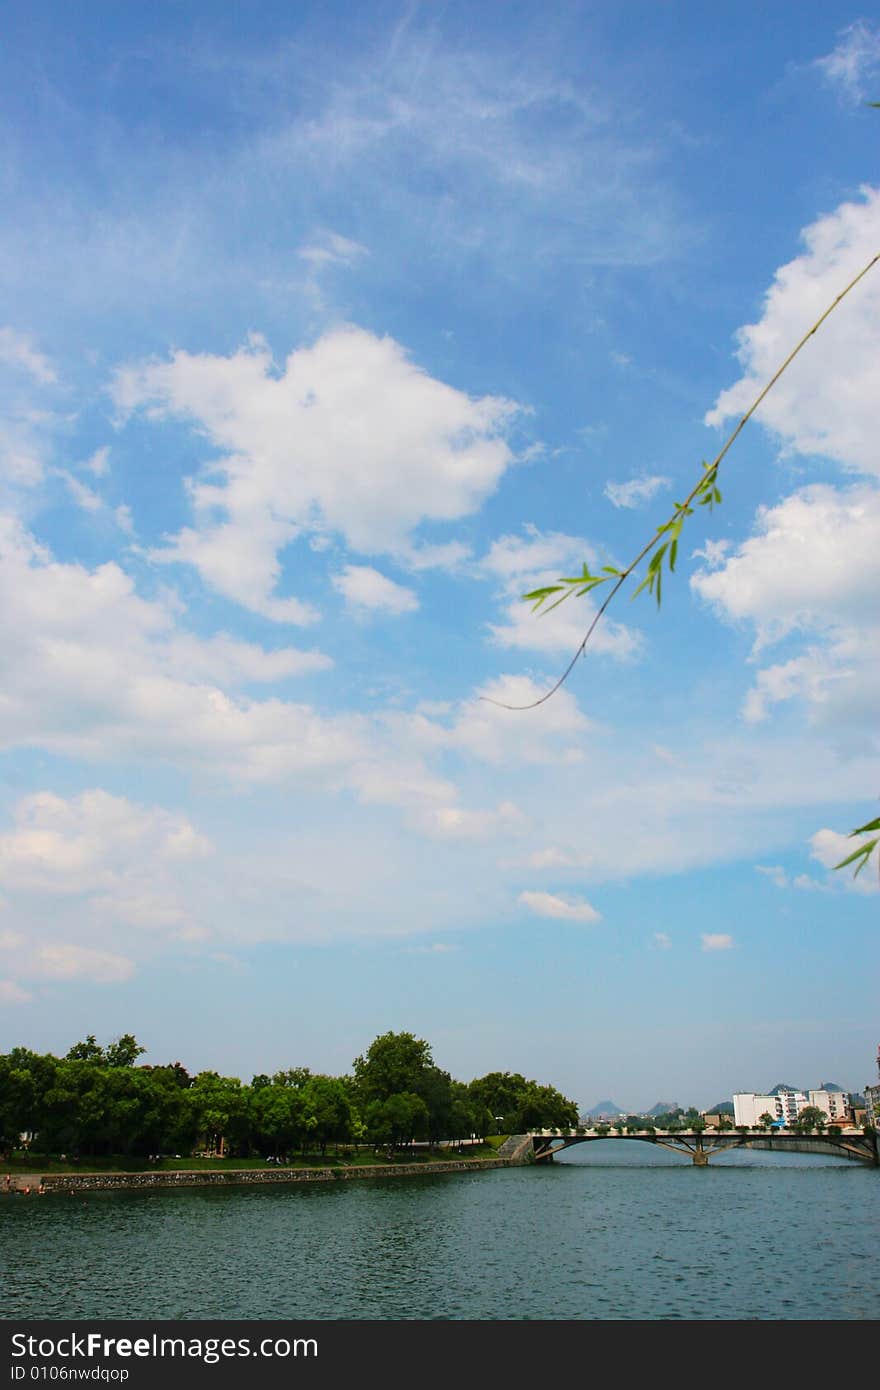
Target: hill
{"type": "Point", "coordinates": [605, 1107]}
{"type": "Point", "coordinates": [663, 1107]}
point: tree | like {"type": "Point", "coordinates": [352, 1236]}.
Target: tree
{"type": "Point", "coordinates": [765, 1120]}
{"type": "Point", "coordinates": [87, 1051]}
{"type": "Point", "coordinates": [398, 1119]}
{"type": "Point", "coordinates": [326, 1110]}
{"type": "Point", "coordinates": [393, 1063]}
{"type": "Point", "coordinates": [124, 1052]}
{"type": "Point", "coordinates": [811, 1118]}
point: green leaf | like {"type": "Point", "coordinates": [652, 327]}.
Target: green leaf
{"type": "Point", "coordinates": [863, 853]}
{"type": "Point", "coordinates": [537, 596]}
{"type": "Point", "coordinates": [865, 829]}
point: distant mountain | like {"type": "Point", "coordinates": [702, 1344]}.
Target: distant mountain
{"type": "Point", "coordinates": [829, 1086]}
{"type": "Point", "coordinates": [724, 1107]}
{"type": "Point", "coordinates": [663, 1107]}
{"type": "Point", "coordinates": [605, 1107]}
{"type": "Point", "coordinates": [777, 1090]}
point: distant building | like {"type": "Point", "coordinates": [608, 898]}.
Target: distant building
{"type": "Point", "coordinates": [786, 1105]}
{"type": "Point", "coordinates": [835, 1105]}
{"type": "Point", "coordinates": [872, 1099]}
{"type": "Point", "coordinates": [749, 1106]}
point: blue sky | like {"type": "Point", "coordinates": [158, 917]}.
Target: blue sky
{"type": "Point", "coordinates": [325, 333]}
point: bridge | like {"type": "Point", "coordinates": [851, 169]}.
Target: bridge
{"type": "Point", "coordinates": [699, 1145]}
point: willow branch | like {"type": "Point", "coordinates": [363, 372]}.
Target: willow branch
{"type": "Point", "coordinates": [711, 471]}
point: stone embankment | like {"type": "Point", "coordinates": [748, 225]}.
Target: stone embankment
{"type": "Point", "coordinates": [257, 1177]}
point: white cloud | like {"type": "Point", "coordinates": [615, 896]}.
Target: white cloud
{"type": "Point", "coordinates": [350, 437]}
{"type": "Point", "coordinates": [64, 961]}
{"type": "Point", "coordinates": [90, 873]}
{"type": "Point", "coordinates": [826, 403]}
{"type": "Point", "coordinates": [810, 885]}
{"type": "Point", "coordinates": [365, 588]}
{"type": "Point", "coordinates": [462, 823]}
{"type": "Point", "coordinates": [84, 497]}
{"type": "Point", "coordinates": [829, 848]}
{"type": "Point", "coordinates": [774, 872]}
{"type": "Point", "coordinates": [716, 941]}
{"type": "Point", "coordinates": [564, 909]}
{"type": "Point", "coordinates": [16, 350]}
{"type": "Point", "coordinates": [82, 845]}
{"type": "Point", "coordinates": [99, 462]}
{"type": "Point", "coordinates": [11, 993]}
{"type": "Point", "coordinates": [554, 732]}
{"type": "Point", "coordinates": [855, 61]}
{"type": "Point", "coordinates": [523, 563]}
{"type": "Point", "coordinates": [813, 564]}
{"type": "Point", "coordinates": [662, 940]}
{"type": "Point", "coordinates": [636, 492]}
{"type": "Point", "coordinates": [554, 857]}
{"type": "Point", "coordinates": [811, 569]}
{"type": "Point", "coordinates": [92, 670]}
{"type": "Point", "coordinates": [329, 248]}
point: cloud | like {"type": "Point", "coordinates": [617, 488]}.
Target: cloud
{"type": "Point", "coordinates": [89, 873]}
{"type": "Point", "coordinates": [82, 845]}
{"type": "Point", "coordinates": [462, 823]}
{"type": "Point", "coordinates": [774, 872]}
{"type": "Point", "coordinates": [854, 63]}
{"type": "Point", "coordinates": [716, 941]}
{"type": "Point", "coordinates": [92, 670]}
{"type": "Point", "coordinates": [812, 570]}
{"type": "Point", "coordinates": [813, 564]}
{"type": "Point", "coordinates": [11, 993]}
{"type": "Point", "coordinates": [636, 492]}
{"type": "Point", "coordinates": [16, 351]}
{"type": "Point", "coordinates": [521, 563]}
{"type": "Point", "coordinates": [564, 909]}
{"type": "Point", "coordinates": [365, 588]}
{"type": "Point", "coordinates": [99, 462]}
{"type": "Point", "coordinates": [554, 732]}
{"type": "Point", "coordinates": [810, 885]}
{"type": "Point", "coordinates": [67, 962]}
{"type": "Point", "coordinates": [662, 940]}
{"type": "Point", "coordinates": [829, 848]}
{"type": "Point", "coordinates": [350, 437]}
{"type": "Point", "coordinates": [826, 403]}
{"type": "Point", "coordinates": [554, 857]}
{"type": "Point", "coordinates": [329, 248]}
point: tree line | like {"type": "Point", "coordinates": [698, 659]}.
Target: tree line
{"type": "Point", "coordinates": [100, 1100]}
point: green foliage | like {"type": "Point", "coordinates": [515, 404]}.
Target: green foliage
{"type": "Point", "coordinates": [865, 850]}
{"type": "Point", "coordinates": [518, 1105]}
{"type": "Point", "coordinates": [95, 1103]}
{"type": "Point", "coordinates": [811, 1118]}
{"type": "Point", "coordinates": [663, 550]}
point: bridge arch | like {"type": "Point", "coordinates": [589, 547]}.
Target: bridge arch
{"type": "Point", "coordinates": [699, 1145]}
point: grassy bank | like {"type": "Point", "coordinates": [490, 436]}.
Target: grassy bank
{"type": "Point", "coordinates": [27, 1162]}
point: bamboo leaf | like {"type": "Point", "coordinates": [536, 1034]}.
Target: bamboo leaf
{"type": "Point", "coordinates": [863, 852]}
{"type": "Point", "coordinates": [866, 829]}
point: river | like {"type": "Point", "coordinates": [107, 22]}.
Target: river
{"type": "Point", "coordinates": [607, 1232]}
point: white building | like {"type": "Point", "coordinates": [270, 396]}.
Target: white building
{"type": "Point", "coordinates": [748, 1106]}
{"type": "Point", "coordinates": [834, 1104]}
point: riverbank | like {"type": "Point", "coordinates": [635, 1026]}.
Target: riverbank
{"type": "Point", "coordinates": [516, 1150]}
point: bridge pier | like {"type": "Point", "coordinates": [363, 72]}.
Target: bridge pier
{"type": "Point", "coordinates": [701, 1158]}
